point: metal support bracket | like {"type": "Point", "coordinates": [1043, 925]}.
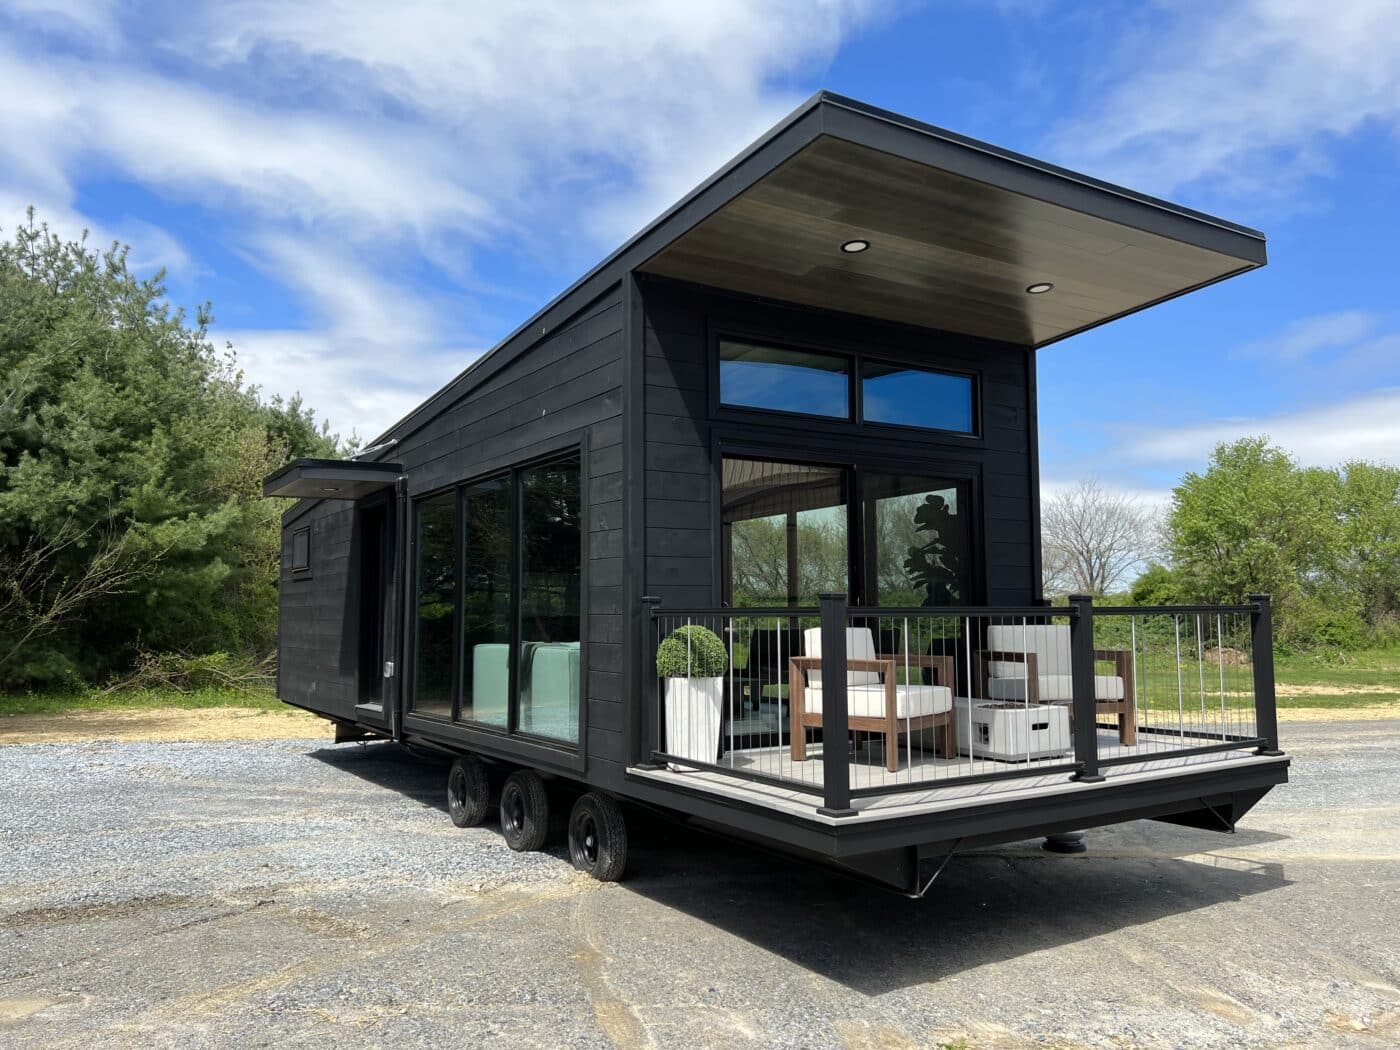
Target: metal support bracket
{"type": "Point", "coordinates": [1226, 823]}
{"type": "Point", "coordinates": [919, 893]}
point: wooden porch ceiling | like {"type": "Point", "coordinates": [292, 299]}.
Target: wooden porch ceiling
{"type": "Point", "coordinates": [946, 251]}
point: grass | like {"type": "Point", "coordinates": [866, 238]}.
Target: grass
{"type": "Point", "coordinates": [1366, 678]}
{"type": "Point", "coordinates": [136, 699]}
{"type": "Point", "coordinates": [1358, 679]}
{"type": "Point", "coordinates": [1361, 679]}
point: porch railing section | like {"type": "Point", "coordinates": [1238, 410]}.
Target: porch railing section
{"type": "Point", "coordinates": [841, 702]}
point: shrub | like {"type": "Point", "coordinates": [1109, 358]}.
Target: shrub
{"type": "Point", "coordinates": [691, 652]}
{"type": "Point", "coordinates": [184, 673]}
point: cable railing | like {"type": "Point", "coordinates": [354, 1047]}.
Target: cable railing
{"type": "Point", "coordinates": [841, 702]}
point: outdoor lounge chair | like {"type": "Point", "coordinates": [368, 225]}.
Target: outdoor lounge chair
{"type": "Point", "coordinates": [1030, 663]}
{"type": "Point", "coordinates": [876, 702]}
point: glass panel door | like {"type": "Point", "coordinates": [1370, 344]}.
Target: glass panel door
{"type": "Point", "coordinates": [918, 547]}
{"type": "Point", "coordinates": [486, 603]}
{"type": "Point", "coordinates": [436, 596]}
{"type": "Point", "coordinates": [551, 573]}
{"type": "Point", "coordinates": [786, 532]}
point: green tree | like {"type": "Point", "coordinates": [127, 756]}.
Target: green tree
{"type": "Point", "coordinates": [1324, 543]}
{"type": "Point", "coordinates": [131, 460]}
{"type": "Point", "coordinates": [1367, 564]}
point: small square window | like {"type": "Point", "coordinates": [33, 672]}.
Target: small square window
{"type": "Point", "coordinates": [301, 550]}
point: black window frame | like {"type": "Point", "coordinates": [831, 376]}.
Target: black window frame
{"type": "Point", "coordinates": [973, 393]}
{"type": "Point", "coordinates": [860, 462]}
{"type": "Point", "coordinates": [301, 570]}
{"type": "Point", "coordinates": [851, 415]}
{"type": "Point", "coordinates": [577, 451]}
{"type": "Point", "coordinates": [856, 358]}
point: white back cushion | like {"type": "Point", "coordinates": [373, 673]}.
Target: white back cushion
{"type": "Point", "coordinates": [860, 645]}
{"type": "Point", "coordinates": [1049, 642]}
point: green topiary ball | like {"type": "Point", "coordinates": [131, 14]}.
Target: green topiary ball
{"type": "Point", "coordinates": [691, 652]}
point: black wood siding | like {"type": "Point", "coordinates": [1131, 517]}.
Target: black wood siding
{"type": "Point", "coordinates": [318, 660]}
{"type": "Point", "coordinates": [684, 427]}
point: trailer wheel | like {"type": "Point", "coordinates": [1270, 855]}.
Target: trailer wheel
{"type": "Point", "coordinates": [468, 792]}
{"type": "Point", "coordinates": [524, 811]}
{"type": "Point", "coordinates": [598, 837]}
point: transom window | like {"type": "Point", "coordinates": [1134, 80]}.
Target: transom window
{"type": "Point", "coordinates": [915, 397]}
{"type": "Point", "coordinates": [779, 380]}
{"type": "Point", "coordinates": [812, 383]}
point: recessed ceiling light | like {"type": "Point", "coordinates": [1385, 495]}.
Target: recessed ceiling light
{"type": "Point", "coordinates": [855, 246]}
{"type": "Point", "coordinates": [1039, 288]}
{"type": "Point", "coordinates": [330, 488]}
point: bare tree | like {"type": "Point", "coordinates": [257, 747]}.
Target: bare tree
{"type": "Point", "coordinates": [1092, 538]}
{"type": "Point", "coordinates": [37, 595]}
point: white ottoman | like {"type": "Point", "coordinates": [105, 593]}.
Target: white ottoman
{"type": "Point", "coordinates": [1011, 732]}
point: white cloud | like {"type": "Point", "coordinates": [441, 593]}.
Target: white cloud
{"type": "Point", "coordinates": [375, 347]}
{"type": "Point", "coordinates": [92, 21]}
{"type": "Point", "coordinates": [405, 131]}
{"type": "Point", "coordinates": [1303, 338]}
{"type": "Point", "coordinates": [301, 168]}
{"type": "Point", "coordinates": [628, 101]}
{"type": "Point", "coordinates": [1364, 427]}
{"type": "Point", "coordinates": [1246, 96]}
{"type": "Point", "coordinates": [360, 385]}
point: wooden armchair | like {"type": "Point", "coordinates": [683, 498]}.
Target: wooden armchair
{"type": "Point", "coordinates": [875, 701]}
{"type": "Point", "coordinates": [1031, 664]}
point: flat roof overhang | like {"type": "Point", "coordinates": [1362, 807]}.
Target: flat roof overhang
{"type": "Point", "coordinates": [957, 232]}
{"type": "Point", "coordinates": [331, 479]}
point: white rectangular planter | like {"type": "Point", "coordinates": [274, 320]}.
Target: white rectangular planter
{"type": "Point", "coordinates": [1011, 732]}
{"type": "Point", "coordinates": [694, 708]}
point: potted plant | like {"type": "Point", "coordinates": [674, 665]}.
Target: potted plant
{"type": "Point", "coordinates": [693, 661]}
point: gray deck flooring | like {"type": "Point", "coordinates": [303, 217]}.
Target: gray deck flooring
{"type": "Point", "coordinates": [944, 788]}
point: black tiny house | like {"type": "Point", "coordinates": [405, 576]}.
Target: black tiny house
{"type": "Point", "coordinates": [792, 423]}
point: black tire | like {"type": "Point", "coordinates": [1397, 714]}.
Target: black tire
{"type": "Point", "coordinates": [524, 811]}
{"type": "Point", "coordinates": [598, 837]}
{"type": "Point", "coordinates": [468, 792]}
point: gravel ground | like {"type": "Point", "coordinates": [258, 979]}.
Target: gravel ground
{"type": "Point", "coordinates": [260, 893]}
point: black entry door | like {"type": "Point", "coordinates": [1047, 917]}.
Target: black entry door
{"type": "Point", "coordinates": [376, 571]}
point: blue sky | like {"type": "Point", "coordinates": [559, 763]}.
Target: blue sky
{"type": "Point", "coordinates": [372, 194]}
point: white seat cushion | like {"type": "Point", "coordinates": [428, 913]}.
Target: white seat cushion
{"type": "Point", "coordinates": [1049, 642]}
{"type": "Point", "coordinates": [860, 645]}
{"type": "Point", "coordinates": [1054, 687]}
{"type": "Point", "coordinates": [868, 701]}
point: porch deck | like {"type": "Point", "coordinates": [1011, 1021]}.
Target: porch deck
{"type": "Point", "coordinates": [948, 787]}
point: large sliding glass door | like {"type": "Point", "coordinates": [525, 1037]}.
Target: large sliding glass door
{"type": "Point", "coordinates": [917, 549]}
{"type": "Point", "coordinates": [486, 603]}
{"type": "Point", "coordinates": [786, 532]}
{"type": "Point", "coordinates": [436, 594]}
{"type": "Point", "coordinates": [550, 579]}
{"type": "Point", "coordinates": [793, 530]}
{"type": "Point", "coordinates": [498, 626]}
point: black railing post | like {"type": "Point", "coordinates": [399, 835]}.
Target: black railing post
{"type": "Point", "coordinates": [836, 742]}
{"type": "Point", "coordinates": [649, 689]}
{"type": "Point", "coordinates": [1262, 657]}
{"type": "Point", "coordinates": [1081, 665]}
